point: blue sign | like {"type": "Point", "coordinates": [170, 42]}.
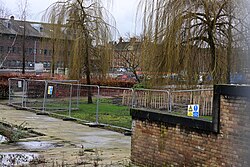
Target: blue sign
{"type": "Point", "coordinates": [196, 107]}
{"type": "Point", "coordinates": [193, 110]}
{"type": "Point", "coordinates": [196, 114]}
{"type": "Point", "coordinates": [50, 90]}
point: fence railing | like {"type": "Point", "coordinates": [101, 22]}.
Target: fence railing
{"type": "Point", "coordinates": [102, 104]}
{"type": "Point", "coordinates": [180, 100]}
{"type": "Point", "coordinates": [152, 99]}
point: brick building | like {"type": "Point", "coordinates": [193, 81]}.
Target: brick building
{"type": "Point", "coordinates": [126, 53]}
{"type": "Point", "coordinates": [37, 44]}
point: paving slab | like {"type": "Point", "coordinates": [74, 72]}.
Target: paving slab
{"type": "Point", "coordinates": [76, 144]}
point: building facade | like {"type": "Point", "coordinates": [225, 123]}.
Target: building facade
{"type": "Point", "coordinates": [32, 40]}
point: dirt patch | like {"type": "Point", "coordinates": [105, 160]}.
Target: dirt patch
{"type": "Point", "coordinates": [13, 133]}
{"type": "Point", "coordinates": [34, 149]}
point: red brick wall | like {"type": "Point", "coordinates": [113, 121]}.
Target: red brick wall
{"type": "Point", "coordinates": [164, 144]}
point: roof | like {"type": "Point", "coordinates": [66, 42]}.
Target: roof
{"type": "Point", "coordinates": [125, 46]}
{"type": "Point", "coordinates": [33, 29]}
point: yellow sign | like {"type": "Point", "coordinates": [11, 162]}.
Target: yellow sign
{"type": "Point", "coordinates": [190, 111]}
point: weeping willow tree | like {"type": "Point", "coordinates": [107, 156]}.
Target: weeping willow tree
{"type": "Point", "coordinates": [191, 37]}
{"type": "Point", "coordinates": [85, 23]}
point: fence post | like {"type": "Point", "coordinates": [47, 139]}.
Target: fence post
{"type": "Point", "coordinates": [45, 95]}
{"type": "Point", "coordinates": [70, 99]}
{"type": "Point", "coordinates": [170, 101]}
{"type": "Point", "coordinates": [23, 84]}
{"type": "Point", "coordinates": [133, 98]}
{"type": "Point", "coordinates": [9, 90]}
{"type": "Point", "coordinates": [78, 94]}
{"type": "Point", "coordinates": [97, 105]}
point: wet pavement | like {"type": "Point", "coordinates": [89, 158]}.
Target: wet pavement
{"type": "Point", "coordinates": [67, 142]}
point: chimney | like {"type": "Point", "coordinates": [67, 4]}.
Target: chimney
{"type": "Point", "coordinates": [120, 40]}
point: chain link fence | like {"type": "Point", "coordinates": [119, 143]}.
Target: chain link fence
{"type": "Point", "coordinates": [101, 104]}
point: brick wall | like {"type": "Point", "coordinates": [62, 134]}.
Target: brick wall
{"type": "Point", "coordinates": [164, 143]}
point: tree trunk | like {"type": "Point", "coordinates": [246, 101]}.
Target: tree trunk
{"type": "Point", "coordinates": [136, 76]}
{"type": "Point", "coordinates": [87, 67]}
{"type": "Point", "coordinates": [24, 34]}
{"type": "Point", "coordinates": [213, 67]}
{"type": "Point", "coordinates": [229, 48]}
{"type": "Point", "coordinates": [53, 59]}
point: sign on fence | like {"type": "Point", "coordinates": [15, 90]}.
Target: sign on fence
{"type": "Point", "coordinates": [50, 90]}
{"type": "Point", "coordinates": [19, 84]}
{"type": "Point", "coordinates": [193, 110]}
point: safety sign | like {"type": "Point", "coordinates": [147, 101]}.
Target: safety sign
{"type": "Point", "coordinates": [193, 110]}
{"type": "Point", "coordinates": [50, 90]}
{"type": "Point", "coordinates": [19, 83]}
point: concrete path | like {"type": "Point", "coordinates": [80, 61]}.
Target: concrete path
{"type": "Point", "coordinates": [77, 144]}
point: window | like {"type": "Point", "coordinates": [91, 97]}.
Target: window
{"type": "Point", "coordinates": [18, 63]}
{"type": "Point", "coordinates": [9, 49]}
{"type": "Point", "coordinates": [30, 51]}
{"type": "Point", "coordinates": [41, 51]}
{"type": "Point", "coordinates": [1, 49]}
{"type": "Point", "coordinates": [14, 49]}
{"type": "Point", "coordinates": [18, 50]}
{"type": "Point", "coordinates": [45, 51]}
{"type": "Point", "coordinates": [45, 64]}
{"type": "Point", "coordinates": [11, 37]}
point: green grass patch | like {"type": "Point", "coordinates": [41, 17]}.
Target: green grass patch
{"type": "Point", "coordinates": [110, 111]}
{"type": "Point", "coordinates": [108, 114]}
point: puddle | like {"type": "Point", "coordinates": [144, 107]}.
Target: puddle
{"type": "Point", "coordinates": [2, 139]}
{"type": "Point", "coordinates": [36, 145]}
{"type": "Point", "coordinates": [16, 158]}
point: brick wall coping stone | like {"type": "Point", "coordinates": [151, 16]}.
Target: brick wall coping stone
{"type": "Point", "coordinates": [164, 117]}
{"type": "Point", "coordinates": [233, 90]}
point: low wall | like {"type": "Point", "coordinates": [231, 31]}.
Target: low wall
{"type": "Point", "coordinates": [162, 139]}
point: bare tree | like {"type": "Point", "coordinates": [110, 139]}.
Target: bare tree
{"type": "Point", "coordinates": [131, 55]}
{"type": "Point", "coordinates": [23, 7]}
{"type": "Point", "coordinates": [191, 37]}
{"type": "Point", "coordinates": [4, 11]}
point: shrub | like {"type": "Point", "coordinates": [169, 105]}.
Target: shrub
{"type": "Point", "coordinates": [110, 82]}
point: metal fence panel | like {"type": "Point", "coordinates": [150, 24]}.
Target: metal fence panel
{"type": "Point", "coordinates": [85, 98]}
{"type": "Point", "coordinates": [114, 106]}
{"type": "Point", "coordinates": [182, 98]}
{"type": "Point", "coordinates": [102, 104]}
{"type": "Point", "coordinates": [151, 99]}
{"type": "Point", "coordinates": [17, 92]}
{"type": "Point", "coordinates": [57, 97]}
{"type": "Point", "coordinates": [34, 94]}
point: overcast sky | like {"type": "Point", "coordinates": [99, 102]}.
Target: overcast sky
{"type": "Point", "coordinates": [124, 12]}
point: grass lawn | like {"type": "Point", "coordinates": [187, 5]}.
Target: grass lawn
{"type": "Point", "coordinates": [108, 114]}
